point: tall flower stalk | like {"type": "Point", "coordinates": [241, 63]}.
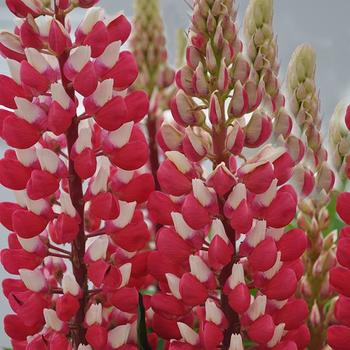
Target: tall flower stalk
{"type": "Point", "coordinates": [149, 47]}
{"type": "Point", "coordinates": [74, 164]}
{"type": "Point", "coordinates": [338, 335]}
{"type": "Point", "coordinates": [227, 270]}
{"type": "Point", "coordinates": [313, 214]}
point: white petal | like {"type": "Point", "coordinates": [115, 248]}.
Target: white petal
{"type": "Point", "coordinates": [30, 244]}
{"type": "Point", "coordinates": [217, 228]}
{"type": "Point", "coordinates": [60, 95]}
{"type": "Point", "coordinates": [79, 57]}
{"type": "Point", "coordinates": [125, 270]}
{"type": "Point", "coordinates": [70, 284]}
{"type": "Point", "coordinates": [237, 276]}
{"type": "Point", "coordinates": [14, 68]}
{"type": "Point", "coordinates": [98, 248]}
{"type": "Point", "coordinates": [126, 214]}
{"type": "Point", "coordinates": [118, 336]}
{"type": "Point", "coordinates": [277, 335]}
{"type": "Point", "coordinates": [48, 160]}
{"type": "Point", "coordinates": [121, 136]}
{"type": "Point", "coordinates": [67, 205]}
{"type": "Point", "coordinates": [94, 314]}
{"type": "Point", "coordinates": [257, 307]}
{"type": "Point", "coordinates": [36, 59]}
{"type": "Point", "coordinates": [52, 321]}
{"type": "Point", "coordinates": [103, 92]}
{"type": "Point", "coordinates": [92, 16]}
{"type": "Point", "coordinates": [201, 192]}
{"type": "Point", "coordinates": [188, 334]}
{"type": "Point", "coordinates": [100, 181]}
{"type": "Point", "coordinates": [27, 110]}
{"type": "Point", "coordinates": [238, 194]}
{"type": "Point", "coordinates": [181, 226]}
{"type": "Point", "coordinates": [110, 55]}
{"type": "Point", "coordinates": [34, 280]}
{"type": "Point", "coordinates": [179, 160]}
{"type": "Point", "coordinates": [236, 342]}
{"type": "Point", "coordinates": [199, 268]}
{"type": "Point", "coordinates": [212, 312]}
{"type": "Point", "coordinates": [26, 156]}
{"type": "Point", "coordinates": [174, 285]}
{"type": "Point", "coordinates": [84, 140]}
{"type": "Point", "coordinates": [257, 233]}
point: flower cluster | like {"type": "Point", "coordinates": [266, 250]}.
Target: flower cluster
{"type": "Point", "coordinates": [226, 267]}
{"type": "Point", "coordinates": [75, 167]}
{"type": "Point", "coordinates": [316, 181]}
{"type": "Point", "coordinates": [156, 77]}
{"type": "Point", "coordinates": [338, 335]}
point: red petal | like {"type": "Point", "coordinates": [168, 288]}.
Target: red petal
{"type": "Point", "coordinates": [292, 244]}
{"type": "Point", "coordinates": [16, 329]}
{"type": "Point", "coordinates": [282, 285]}
{"type": "Point", "coordinates": [86, 80]}
{"type": "Point", "coordinates": [264, 255]}
{"type": "Point", "coordinates": [97, 336]}
{"type": "Point", "coordinates": [132, 156]}
{"type": "Point", "coordinates": [97, 39]}
{"type": "Point", "coordinates": [293, 314]}
{"type": "Point", "coordinates": [160, 207]}
{"type": "Point", "coordinates": [8, 94]}
{"type": "Point", "coordinates": [59, 119]}
{"type": "Point", "coordinates": [261, 330]}
{"type": "Point", "coordinates": [85, 163]}
{"type": "Point", "coordinates": [105, 206]}
{"type": "Point", "coordinates": [137, 105]}
{"type": "Point", "coordinates": [138, 189]}
{"type": "Point", "coordinates": [172, 245]}
{"type": "Point", "coordinates": [192, 291]}
{"type": "Point", "coordinates": [239, 298]}
{"type": "Point", "coordinates": [343, 206]}
{"type": "Point", "coordinates": [113, 114]}
{"type": "Point", "coordinates": [27, 224]}
{"type": "Point", "coordinates": [119, 29]}
{"type": "Point", "coordinates": [124, 72]}
{"type": "Point", "coordinates": [339, 278]}
{"type": "Point", "coordinates": [18, 133]}
{"type": "Point", "coordinates": [41, 184]}
{"type": "Point", "coordinates": [67, 306]}
{"type": "Point", "coordinates": [125, 299]}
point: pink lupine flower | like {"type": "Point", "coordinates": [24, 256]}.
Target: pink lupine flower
{"type": "Point", "coordinates": [56, 153]}
{"type": "Point", "coordinates": [199, 264]}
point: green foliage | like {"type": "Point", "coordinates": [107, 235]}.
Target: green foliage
{"type": "Point", "coordinates": [334, 221]}
{"type": "Point", "coordinates": [141, 326]}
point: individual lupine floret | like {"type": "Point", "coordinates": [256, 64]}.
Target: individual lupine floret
{"type": "Point", "coordinates": [245, 198]}
{"type": "Point", "coordinates": [313, 216]}
{"type": "Point", "coordinates": [78, 180]}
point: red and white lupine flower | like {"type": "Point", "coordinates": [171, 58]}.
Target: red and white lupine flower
{"type": "Point", "coordinates": [203, 271]}
{"type": "Point", "coordinates": [64, 168]}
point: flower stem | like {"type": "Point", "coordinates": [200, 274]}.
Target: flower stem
{"type": "Point", "coordinates": [76, 194]}
{"type": "Point", "coordinates": [153, 148]}
{"type": "Point", "coordinates": [219, 137]}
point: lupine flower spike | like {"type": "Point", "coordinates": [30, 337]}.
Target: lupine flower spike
{"type": "Point", "coordinates": [313, 216]}
{"type": "Point", "coordinates": [76, 247]}
{"type": "Point", "coordinates": [338, 335]}
{"type": "Point", "coordinates": [206, 275]}
{"type": "Point", "coordinates": [156, 77]}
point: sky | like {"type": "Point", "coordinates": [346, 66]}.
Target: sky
{"type": "Point", "coordinates": [321, 23]}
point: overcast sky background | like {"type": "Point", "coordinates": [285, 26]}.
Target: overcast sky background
{"type": "Point", "coordinates": [321, 23]}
